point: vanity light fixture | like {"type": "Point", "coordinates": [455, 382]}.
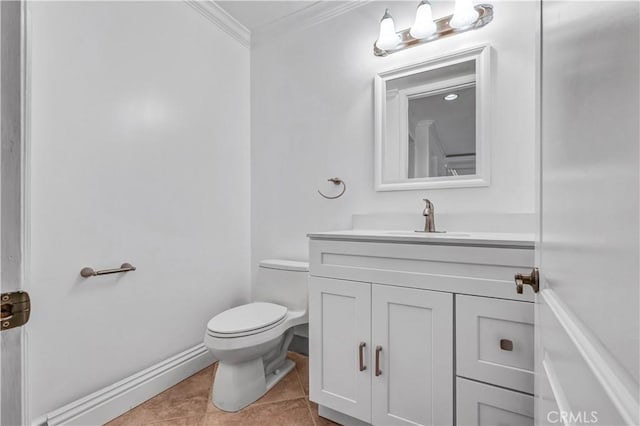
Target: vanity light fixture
{"type": "Point", "coordinates": [450, 97]}
{"type": "Point", "coordinates": [464, 14]}
{"type": "Point", "coordinates": [388, 39]}
{"type": "Point", "coordinates": [466, 17]}
{"type": "Point", "coordinates": [423, 26]}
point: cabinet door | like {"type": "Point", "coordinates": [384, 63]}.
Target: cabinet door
{"type": "Point", "coordinates": [485, 405]}
{"type": "Point", "coordinates": [494, 341]}
{"type": "Point", "coordinates": [339, 323]}
{"type": "Point", "coordinates": [414, 332]}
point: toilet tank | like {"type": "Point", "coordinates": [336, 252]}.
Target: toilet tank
{"type": "Point", "coordinates": [283, 282]}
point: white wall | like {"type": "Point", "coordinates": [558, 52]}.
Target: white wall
{"type": "Point", "coordinates": [139, 142]}
{"type": "Point", "coordinates": [312, 119]}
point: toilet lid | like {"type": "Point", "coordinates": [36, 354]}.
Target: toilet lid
{"type": "Point", "coordinates": [247, 317]}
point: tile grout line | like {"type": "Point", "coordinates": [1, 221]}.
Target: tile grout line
{"type": "Point", "coordinates": [313, 420]}
{"type": "Point", "coordinates": [144, 406]}
{"type": "Point", "coordinates": [201, 417]}
{"type": "Point", "coordinates": [204, 414]}
{"type": "Point", "coordinates": [306, 397]}
{"type": "Point", "coordinates": [299, 380]}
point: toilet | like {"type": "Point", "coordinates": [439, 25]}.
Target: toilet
{"type": "Point", "coordinates": [250, 341]}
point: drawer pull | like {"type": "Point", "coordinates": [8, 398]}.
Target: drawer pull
{"type": "Point", "coordinates": [506, 345]}
{"type": "Point", "coordinates": [378, 350]}
{"type": "Point", "coordinates": [361, 355]}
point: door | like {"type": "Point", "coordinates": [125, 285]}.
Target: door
{"type": "Point", "coordinates": [587, 310]}
{"type": "Point", "coordinates": [339, 346]}
{"type": "Point", "coordinates": [11, 223]}
{"type": "Point", "coordinates": [412, 338]}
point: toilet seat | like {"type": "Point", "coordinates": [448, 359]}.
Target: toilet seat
{"type": "Point", "coordinates": [247, 319]}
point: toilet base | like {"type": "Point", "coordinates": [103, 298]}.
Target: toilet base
{"type": "Point", "coordinates": [239, 385]}
{"type": "Point", "coordinates": [279, 373]}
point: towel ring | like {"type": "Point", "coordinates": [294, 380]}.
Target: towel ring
{"type": "Point", "coordinates": [336, 181]}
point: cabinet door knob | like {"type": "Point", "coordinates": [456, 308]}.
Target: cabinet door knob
{"type": "Point", "coordinates": [506, 345]}
{"type": "Point", "coordinates": [378, 350]}
{"type": "Point", "coordinates": [532, 279]}
{"type": "Point", "coordinates": [361, 347]}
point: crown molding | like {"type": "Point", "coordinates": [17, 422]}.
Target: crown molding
{"type": "Point", "coordinates": [223, 20]}
{"type": "Point", "coordinates": [314, 14]}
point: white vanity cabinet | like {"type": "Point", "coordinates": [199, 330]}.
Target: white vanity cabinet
{"type": "Point", "coordinates": [367, 361]}
{"type": "Point", "coordinates": [410, 332]}
{"type": "Point", "coordinates": [411, 341]}
{"type": "Point", "coordinates": [339, 335]}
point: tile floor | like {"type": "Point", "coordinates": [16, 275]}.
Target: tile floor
{"type": "Point", "coordinates": [189, 404]}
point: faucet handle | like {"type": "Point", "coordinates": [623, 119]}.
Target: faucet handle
{"type": "Point", "coordinates": [428, 208]}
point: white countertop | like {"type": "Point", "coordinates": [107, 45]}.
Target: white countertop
{"type": "Point", "coordinates": [444, 238]}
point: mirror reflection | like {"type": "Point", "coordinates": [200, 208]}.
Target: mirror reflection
{"type": "Point", "coordinates": [431, 124]}
{"type": "Point", "coordinates": [442, 134]}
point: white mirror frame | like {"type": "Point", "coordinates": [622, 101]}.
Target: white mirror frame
{"type": "Point", "coordinates": [481, 55]}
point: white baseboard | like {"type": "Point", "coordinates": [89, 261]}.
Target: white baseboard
{"type": "Point", "coordinates": [112, 401]}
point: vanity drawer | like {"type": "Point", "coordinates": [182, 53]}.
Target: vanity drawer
{"type": "Point", "coordinates": [494, 341]}
{"type": "Point", "coordinates": [485, 405]}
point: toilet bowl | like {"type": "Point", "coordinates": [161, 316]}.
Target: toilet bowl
{"type": "Point", "coordinates": [250, 341]}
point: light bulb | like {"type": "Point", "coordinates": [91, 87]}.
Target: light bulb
{"type": "Point", "coordinates": [423, 26]}
{"type": "Point", "coordinates": [464, 14]}
{"type": "Point", "coordinates": [388, 39]}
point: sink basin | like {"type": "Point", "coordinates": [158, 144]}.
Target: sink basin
{"type": "Point", "coordinates": [428, 234]}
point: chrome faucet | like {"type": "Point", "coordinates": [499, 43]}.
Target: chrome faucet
{"type": "Point", "coordinates": [428, 213]}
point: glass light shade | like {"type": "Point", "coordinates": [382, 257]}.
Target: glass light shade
{"type": "Point", "coordinates": [388, 39]}
{"type": "Point", "coordinates": [464, 14]}
{"type": "Point", "coordinates": [423, 26]}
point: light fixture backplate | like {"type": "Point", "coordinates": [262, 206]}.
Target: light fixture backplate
{"type": "Point", "coordinates": [443, 29]}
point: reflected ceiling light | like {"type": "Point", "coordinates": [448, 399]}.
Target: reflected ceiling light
{"type": "Point", "coordinates": [425, 29]}
{"type": "Point", "coordinates": [451, 97]}
{"type": "Point", "coordinates": [388, 39]}
{"type": "Point", "coordinates": [464, 14]}
{"type": "Point", "coordinates": [423, 26]}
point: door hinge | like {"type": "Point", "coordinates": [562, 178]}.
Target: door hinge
{"type": "Point", "coordinates": [15, 308]}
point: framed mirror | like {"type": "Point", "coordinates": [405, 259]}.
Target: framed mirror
{"type": "Point", "coordinates": [431, 123]}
